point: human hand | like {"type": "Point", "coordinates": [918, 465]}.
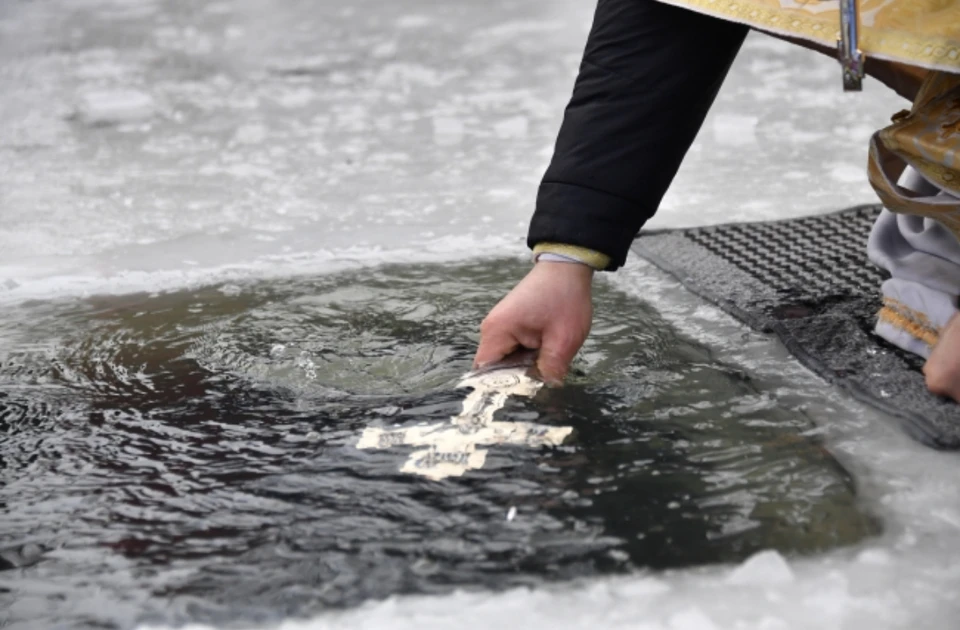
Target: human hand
{"type": "Point", "coordinates": [942, 369]}
{"type": "Point", "coordinates": [549, 310]}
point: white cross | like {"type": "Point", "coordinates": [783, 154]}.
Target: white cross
{"type": "Point", "coordinates": [452, 446]}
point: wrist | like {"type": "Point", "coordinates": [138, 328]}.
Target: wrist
{"type": "Point", "coordinates": [566, 270]}
{"type": "Point", "coordinates": [550, 257]}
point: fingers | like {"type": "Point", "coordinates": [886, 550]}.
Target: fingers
{"type": "Point", "coordinates": [496, 342]}
{"type": "Point", "coordinates": [549, 310]}
{"type": "Point", "coordinates": [943, 387]}
{"type": "Point", "coordinates": [942, 380]}
{"type": "Point", "coordinates": [556, 354]}
{"type": "Point", "coordinates": [942, 369]}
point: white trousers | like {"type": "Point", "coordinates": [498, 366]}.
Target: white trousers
{"type": "Point", "coordinates": [923, 259]}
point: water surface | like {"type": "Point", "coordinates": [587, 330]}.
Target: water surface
{"type": "Point", "coordinates": [192, 455]}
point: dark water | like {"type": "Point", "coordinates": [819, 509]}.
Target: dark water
{"type": "Point", "coordinates": [191, 456]}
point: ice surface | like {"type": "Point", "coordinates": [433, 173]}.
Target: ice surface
{"type": "Point", "coordinates": [312, 137]}
{"type": "Point", "coordinates": [119, 106]}
{"type": "Point", "coordinates": [309, 138]}
{"type": "Point", "coordinates": [766, 567]}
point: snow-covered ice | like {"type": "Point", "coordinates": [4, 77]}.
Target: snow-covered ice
{"type": "Point", "coordinates": [137, 135]}
{"type": "Point", "coordinates": [766, 567]}
{"type": "Point", "coordinates": [120, 106]}
{"type": "Point", "coordinates": [307, 138]}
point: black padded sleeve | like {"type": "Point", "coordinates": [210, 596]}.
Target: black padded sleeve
{"type": "Point", "coordinates": [649, 74]}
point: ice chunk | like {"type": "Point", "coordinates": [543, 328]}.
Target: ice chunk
{"type": "Point", "coordinates": [447, 131]}
{"type": "Point", "coordinates": [876, 557]}
{"type": "Point", "coordinates": [772, 623]}
{"type": "Point", "coordinates": [691, 620]}
{"type": "Point", "coordinates": [765, 567]}
{"type": "Point", "coordinates": [294, 97]}
{"type": "Point", "coordinates": [414, 21]}
{"type": "Point", "coordinates": [385, 50]}
{"type": "Point", "coordinates": [735, 130]}
{"type": "Point", "coordinates": [20, 556]}
{"type": "Point", "coordinates": [115, 106]}
{"type": "Point", "coordinates": [516, 127]}
{"type": "Point", "coordinates": [847, 173]}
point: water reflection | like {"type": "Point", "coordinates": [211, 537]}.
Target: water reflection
{"type": "Point", "coordinates": [194, 455]}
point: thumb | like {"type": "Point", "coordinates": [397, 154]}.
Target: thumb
{"type": "Point", "coordinates": [555, 356]}
{"type": "Point", "coordinates": [493, 347]}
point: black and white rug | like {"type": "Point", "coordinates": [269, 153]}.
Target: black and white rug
{"type": "Point", "coordinates": [809, 281]}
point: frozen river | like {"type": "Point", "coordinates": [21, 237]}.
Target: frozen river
{"type": "Point", "coordinates": [148, 146]}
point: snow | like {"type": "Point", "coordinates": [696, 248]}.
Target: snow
{"type": "Point", "coordinates": [315, 138]}
{"type": "Point", "coordinates": [765, 567]}
{"type": "Point", "coordinates": [119, 106]}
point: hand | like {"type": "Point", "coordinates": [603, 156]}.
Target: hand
{"type": "Point", "coordinates": [942, 369]}
{"type": "Point", "coordinates": [550, 310]}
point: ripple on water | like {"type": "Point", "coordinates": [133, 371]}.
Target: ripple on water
{"type": "Point", "coordinates": [192, 455]}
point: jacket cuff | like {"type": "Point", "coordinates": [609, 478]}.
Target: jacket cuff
{"type": "Point", "coordinates": [579, 254]}
{"type": "Point", "coordinates": [586, 218]}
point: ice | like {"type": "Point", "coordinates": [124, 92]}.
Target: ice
{"type": "Point", "coordinates": [414, 21]}
{"type": "Point", "coordinates": [385, 50]}
{"type": "Point", "coordinates": [691, 619]}
{"type": "Point", "coordinates": [735, 130]}
{"type": "Point", "coordinates": [874, 556]}
{"type": "Point", "coordinates": [299, 139]}
{"type": "Point", "coordinates": [846, 173]}
{"type": "Point", "coordinates": [447, 130]}
{"type": "Point", "coordinates": [515, 127]}
{"type": "Point", "coordinates": [250, 134]}
{"type": "Point", "coordinates": [115, 106]}
{"type": "Point", "coordinates": [766, 567]}
{"type": "Point", "coordinates": [318, 104]}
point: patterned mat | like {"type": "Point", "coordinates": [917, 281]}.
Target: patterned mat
{"type": "Point", "coordinates": [809, 281]}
